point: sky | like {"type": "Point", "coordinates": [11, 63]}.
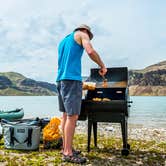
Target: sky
{"type": "Point", "coordinates": [128, 33]}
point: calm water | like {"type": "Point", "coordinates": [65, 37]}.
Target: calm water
{"type": "Point", "coordinates": [145, 111]}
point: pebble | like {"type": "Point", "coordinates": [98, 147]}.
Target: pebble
{"type": "Point", "coordinates": [164, 157]}
{"type": "Point", "coordinates": [154, 155]}
{"type": "Point", "coordinates": [139, 162]}
{"type": "Point", "coordinates": [134, 132]}
{"type": "Point", "coordinates": [145, 158]}
{"type": "Point", "coordinates": [109, 128]}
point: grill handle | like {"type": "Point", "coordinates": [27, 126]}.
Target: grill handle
{"type": "Point", "coordinates": [129, 105]}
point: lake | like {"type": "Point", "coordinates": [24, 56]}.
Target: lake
{"type": "Point", "coordinates": [147, 111]}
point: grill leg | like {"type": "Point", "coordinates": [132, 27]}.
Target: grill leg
{"type": "Point", "coordinates": [89, 133]}
{"type": "Point", "coordinates": [95, 133]}
{"type": "Point", "coordinates": [124, 132]}
{"type": "Point", "coordinates": [126, 146]}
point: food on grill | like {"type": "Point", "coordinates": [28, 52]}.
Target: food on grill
{"type": "Point", "coordinates": [105, 84]}
{"type": "Point", "coordinates": [89, 85]}
{"type": "Point", "coordinates": [96, 99]}
{"type": "Point", "coordinates": [106, 99]}
{"type": "Point", "coordinates": [100, 99]}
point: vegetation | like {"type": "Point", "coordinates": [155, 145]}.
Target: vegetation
{"type": "Point", "coordinates": [15, 84]}
{"type": "Point", "coordinates": [147, 153]}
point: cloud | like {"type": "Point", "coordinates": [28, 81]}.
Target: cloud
{"type": "Point", "coordinates": [126, 33]}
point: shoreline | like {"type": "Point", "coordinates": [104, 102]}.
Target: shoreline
{"type": "Point", "coordinates": [135, 132]}
{"type": "Point", "coordinates": [151, 150]}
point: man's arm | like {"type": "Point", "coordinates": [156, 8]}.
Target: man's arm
{"type": "Point", "coordinates": [92, 53]}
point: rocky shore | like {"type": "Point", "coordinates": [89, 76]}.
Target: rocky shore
{"type": "Point", "coordinates": [148, 148]}
{"type": "Point", "coordinates": [135, 132]}
{"type": "Point", "coordinates": [148, 145]}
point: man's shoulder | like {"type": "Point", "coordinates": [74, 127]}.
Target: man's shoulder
{"type": "Point", "coordinates": [79, 34]}
{"type": "Point", "coordinates": [78, 37]}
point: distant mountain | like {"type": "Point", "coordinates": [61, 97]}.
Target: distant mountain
{"type": "Point", "coordinates": [12, 83]}
{"type": "Point", "coordinates": [150, 81]}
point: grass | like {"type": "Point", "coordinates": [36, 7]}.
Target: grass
{"type": "Point", "coordinates": [147, 153]}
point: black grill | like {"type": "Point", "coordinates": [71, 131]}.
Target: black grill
{"type": "Point", "coordinates": [115, 109]}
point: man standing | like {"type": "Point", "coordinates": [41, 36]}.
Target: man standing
{"type": "Point", "coordinates": [69, 84]}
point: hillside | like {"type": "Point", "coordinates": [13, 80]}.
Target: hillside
{"type": "Point", "coordinates": [150, 81]}
{"type": "Point", "coordinates": [15, 84]}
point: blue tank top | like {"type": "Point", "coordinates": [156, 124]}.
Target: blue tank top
{"type": "Point", "coordinates": [69, 59]}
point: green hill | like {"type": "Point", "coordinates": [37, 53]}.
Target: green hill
{"type": "Point", "coordinates": [15, 84]}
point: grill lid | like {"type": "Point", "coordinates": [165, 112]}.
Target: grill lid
{"type": "Point", "coordinates": [116, 77]}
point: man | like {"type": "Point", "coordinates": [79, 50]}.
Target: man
{"type": "Point", "coordinates": [69, 84]}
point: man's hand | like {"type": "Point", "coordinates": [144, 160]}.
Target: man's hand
{"type": "Point", "coordinates": [103, 71]}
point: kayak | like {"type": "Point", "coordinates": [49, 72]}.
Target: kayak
{"type": "Point", "coordinates": [12, 114]}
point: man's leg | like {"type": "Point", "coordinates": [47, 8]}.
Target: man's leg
{"type": "Point", "coordinates": [63, 122]}
{"type": "Point", "coordinates": [69, 130]}
{"type": "Point", "coordinates": [62, 109]}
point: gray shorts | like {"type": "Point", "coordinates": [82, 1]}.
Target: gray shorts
{"type": "Point", "coordinates": [70, 96]}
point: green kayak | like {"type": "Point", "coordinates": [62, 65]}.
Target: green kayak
{"type": "Point", "coordinates": [12, 114]}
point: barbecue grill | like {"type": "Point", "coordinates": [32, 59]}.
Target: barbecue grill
{"type": "Point", "coordinates": [115, 109]}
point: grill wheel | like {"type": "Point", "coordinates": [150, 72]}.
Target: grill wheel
{"type": "Point", "coordinates": [125, 152]}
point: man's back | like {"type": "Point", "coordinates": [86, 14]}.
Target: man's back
{"type": "Point", "coordinates": [69, 59]}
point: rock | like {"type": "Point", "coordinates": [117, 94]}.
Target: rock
{"type": "Point", "coordinates": [139, 162]}
{"type": "Point", "coordinates": [164, 156]}
{"type": "Point", "coordinates": [109, 128]}
{"type": "Point", "coordinates": [154, 155]}
{"type": "Point", "coordinates": [145, 158]}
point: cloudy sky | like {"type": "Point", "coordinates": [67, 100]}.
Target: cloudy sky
{"type": "Point", "coordinates": [127, 33]}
